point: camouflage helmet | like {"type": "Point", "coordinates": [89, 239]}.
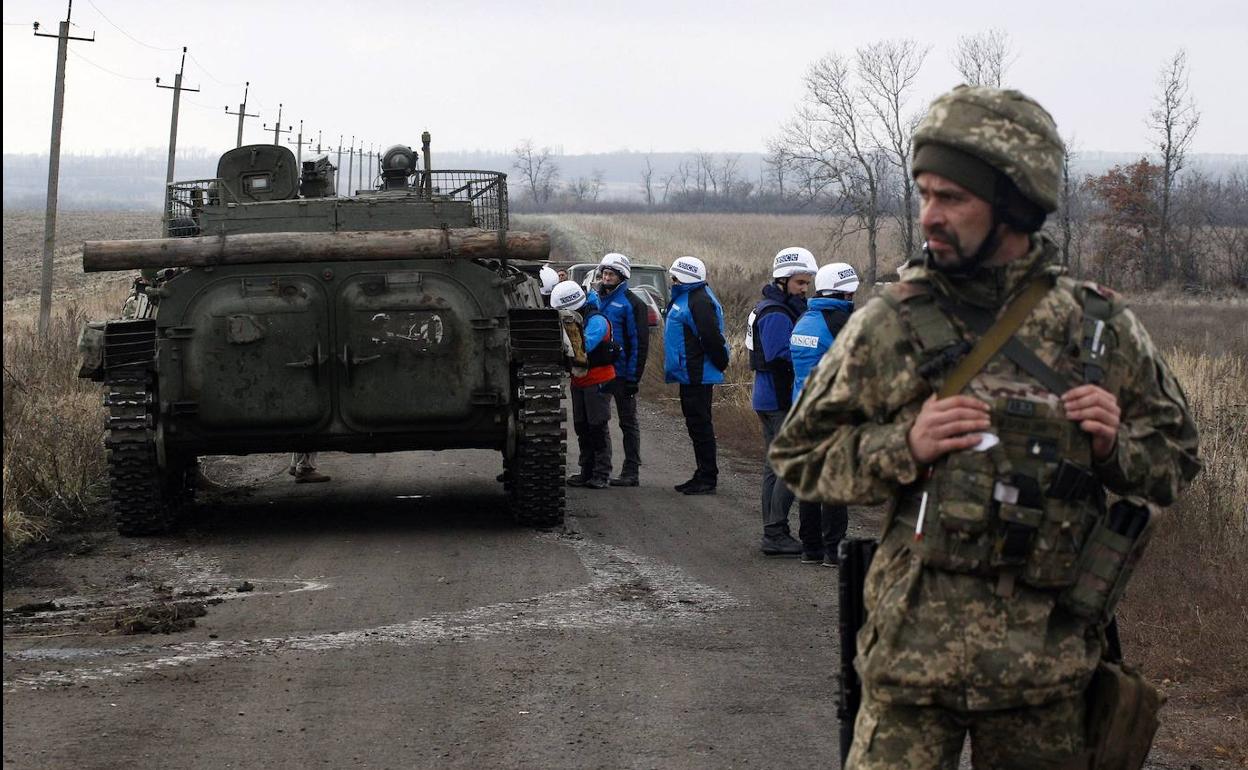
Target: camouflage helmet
{"type": "Point", "coordinates": [1004, 128]}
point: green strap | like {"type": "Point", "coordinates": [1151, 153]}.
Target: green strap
{"type": "Point", "coordinates": [996, 337]}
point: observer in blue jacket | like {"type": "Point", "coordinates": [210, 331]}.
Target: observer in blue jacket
{"type": "Point", "coordinates": [820, 527]}
{"type": "Point", "coordinates": [695, 356]}
{"type": "Point", "coordinates": [631, 327]}
{"type": "Point", "coordinates": [770, 325]}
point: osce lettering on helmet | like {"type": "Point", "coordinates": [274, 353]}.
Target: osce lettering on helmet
{"type": "Point", "coordinates": [847, 273]}
{"type": "Point", "coordinates": [783, 258]}
{"type": "Point", "coordinates": [687, 266]}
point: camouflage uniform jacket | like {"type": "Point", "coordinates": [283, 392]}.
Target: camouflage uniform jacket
{"type": "Point", "coordinates": [939, 637]}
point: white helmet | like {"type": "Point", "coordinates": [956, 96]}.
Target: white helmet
{"type": "Point", "coordinates": [568, 295]}
{"type": "Point", "coordinates": [549, 278]}
{"type": "Point", "coordinates": [794, 261]}
{"type": "Point", "coordinates": [688, 270]}
{"type": "Point", "coordinates": [838, 276]}
{"type": "Point", "coordinates": [617, 262]}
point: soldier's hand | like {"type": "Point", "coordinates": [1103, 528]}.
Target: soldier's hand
{"type": "Point", "coordinates": [1096, 410]}
{"type": "Point", "coordinates": [946, 425]}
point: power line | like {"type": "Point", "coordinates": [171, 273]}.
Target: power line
{"type": "Point", "coordinates": [77, 55]}
{"type": "Point", "coordinates": [127, 34]}
{"type": "Point", "coordinates": [204, 69]}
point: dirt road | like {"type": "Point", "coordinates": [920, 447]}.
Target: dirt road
{"type": "Point", "coordinates": [397, 619]}
{"type": "Point", "coordinates": [394, 618]}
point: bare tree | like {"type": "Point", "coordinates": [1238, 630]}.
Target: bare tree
{"type": "Point", "coordinates": [538, 168]}
{"type": "Point", "coordinates": [888, 70]}
{"type": "Point", "coordinates": [983, 58]}
{"type": "Point", "coordinates": [777, 161]}
{"type": "Point", "coordinates": [1072, 215]}
{"type": "Point", "coordinates": [1174, 120]}
{"type": "Point", "coordinates": [830, 147]}
{"type": "Point", "coordinates": [647, 186]}
{"type": "Point", "coordinates": [597, 180]}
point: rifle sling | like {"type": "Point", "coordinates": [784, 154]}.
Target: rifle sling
{"type": "Point", "coordinates": [998, 335]}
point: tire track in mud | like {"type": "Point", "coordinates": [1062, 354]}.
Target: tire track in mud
{"type": "Point", "coordinates": [624, 589]}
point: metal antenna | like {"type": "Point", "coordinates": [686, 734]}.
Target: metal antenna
{"type": "Point", "coordinates": [54, 165]}
{"type": "Point", "coordinates": [300, 143]}
{"type": "Point", "coordinates": [242, 113]}
{"type": "Point", "coordinates": [277, 127]}
{"type": "Point", "coordinates": [339, 166]}
{"type": "Point", "coordinates": [177, 89]}
{"type": "Point", "coordinates": [350, 159]}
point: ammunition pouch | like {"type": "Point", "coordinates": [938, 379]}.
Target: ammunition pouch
{"type": "Point", "coordinates": [1122, 718]}
{"type": "Point", "coordinates": [1107, 561]}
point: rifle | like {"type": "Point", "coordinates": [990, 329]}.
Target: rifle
{"type": "Point", "coordinates": [854, 556]}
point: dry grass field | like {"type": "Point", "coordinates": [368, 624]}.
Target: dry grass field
{"type": "Point", "coordinates": [1185, 619]}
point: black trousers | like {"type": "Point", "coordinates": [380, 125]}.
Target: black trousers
{"type": "Point", "coordinates": [821, 527]}
{"type": "Point", "coordinates": [695, 405]}
{"type": "Point", "coordinates": [591, 409]}
{"type": "Point", "coordinates": [626, 413]}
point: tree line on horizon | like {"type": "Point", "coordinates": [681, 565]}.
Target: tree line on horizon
{"type": "Point", "coordinates": [845, 154]}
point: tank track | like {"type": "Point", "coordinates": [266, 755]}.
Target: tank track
{"type": "Point", "coordinates": [536, 487]}
{"type": "Point", "coordinates": [146, 499]}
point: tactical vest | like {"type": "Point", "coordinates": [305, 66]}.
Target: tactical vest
{"type": "Point", "coordinates": [1027, 508]}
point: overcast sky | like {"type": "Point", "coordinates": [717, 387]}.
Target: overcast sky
{"type": "Point", "coordinates": [584, 76]}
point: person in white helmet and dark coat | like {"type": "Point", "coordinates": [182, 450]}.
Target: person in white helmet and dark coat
{"type": "Point", "coordinates": [821, 527]}
{"type": "Point", "coordinates": [770, 325]}
{"type": "Point", "coordinates": [695, 356]}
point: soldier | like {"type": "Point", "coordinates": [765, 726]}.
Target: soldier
{"type": "Point", "coordinates": [983, 614]}
{"type": "Point", "coordinates": [303, 468]}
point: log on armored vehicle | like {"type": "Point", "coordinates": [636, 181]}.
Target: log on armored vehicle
{"type": "Point", "coordinates": [209, 251]}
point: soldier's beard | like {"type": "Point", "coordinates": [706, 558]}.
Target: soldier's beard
{"type": "Point", "coordinates": [953, 258]}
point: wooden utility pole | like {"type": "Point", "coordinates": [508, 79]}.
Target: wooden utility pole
{"type": "Point", "coordinates": [300, 143]}
{"type": "Point", "coordinates": [242, 113]}
{"type": "Point", "coordinates": [173, 133]}
{"type": "Point", "coordinates": [371, 155]}
{"type": "Point", "coordinates": [318, 141]}
{"type": "Point", "coordinates": [54, 166]}
{"type": "Point", "coordinates": [277, 127]}
{"type": "Point", "coordinates": [360, 186]}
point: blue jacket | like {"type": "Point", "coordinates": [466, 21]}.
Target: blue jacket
{"type": "Point", "coordinates": [630, 327]}
{"type": "Point", "coordinates": [595, 325]}
{"type": "Point", "coordinates": [695, 352]}
{"type": "Point", "coordinates": [775, 315]}
{"type": "Point", "coordinates": [811, 336]}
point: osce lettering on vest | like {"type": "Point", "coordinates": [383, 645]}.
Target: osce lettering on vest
{"type": "Point", "coordinates": [804, 340]}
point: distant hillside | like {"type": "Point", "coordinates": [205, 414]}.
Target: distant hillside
{"type": "Point", "coordinates": [134, 180]}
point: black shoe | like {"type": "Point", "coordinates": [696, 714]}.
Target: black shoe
{"type": "Point", "coordinates": [503, 477]}
{"type": "Point", "coordinates": [699, 488]}
{"type": "Point", "coordinates": [812, 557]}
{"type": "Point", "coordinates": [781, 545]}
{"type": "Point", "coordinates": [595, 483]}
{"type": "Point", "coordinates": [681, 486]}
{"type": "Point", "coordinates": [578, 479]}
{"type": "Point", "coordinates": [830, 561]}
{"type": "Point", "coordinates": [624, 481]}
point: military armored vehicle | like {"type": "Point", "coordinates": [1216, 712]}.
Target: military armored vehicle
{"type": "Point", "coordinates": [278, 316]}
